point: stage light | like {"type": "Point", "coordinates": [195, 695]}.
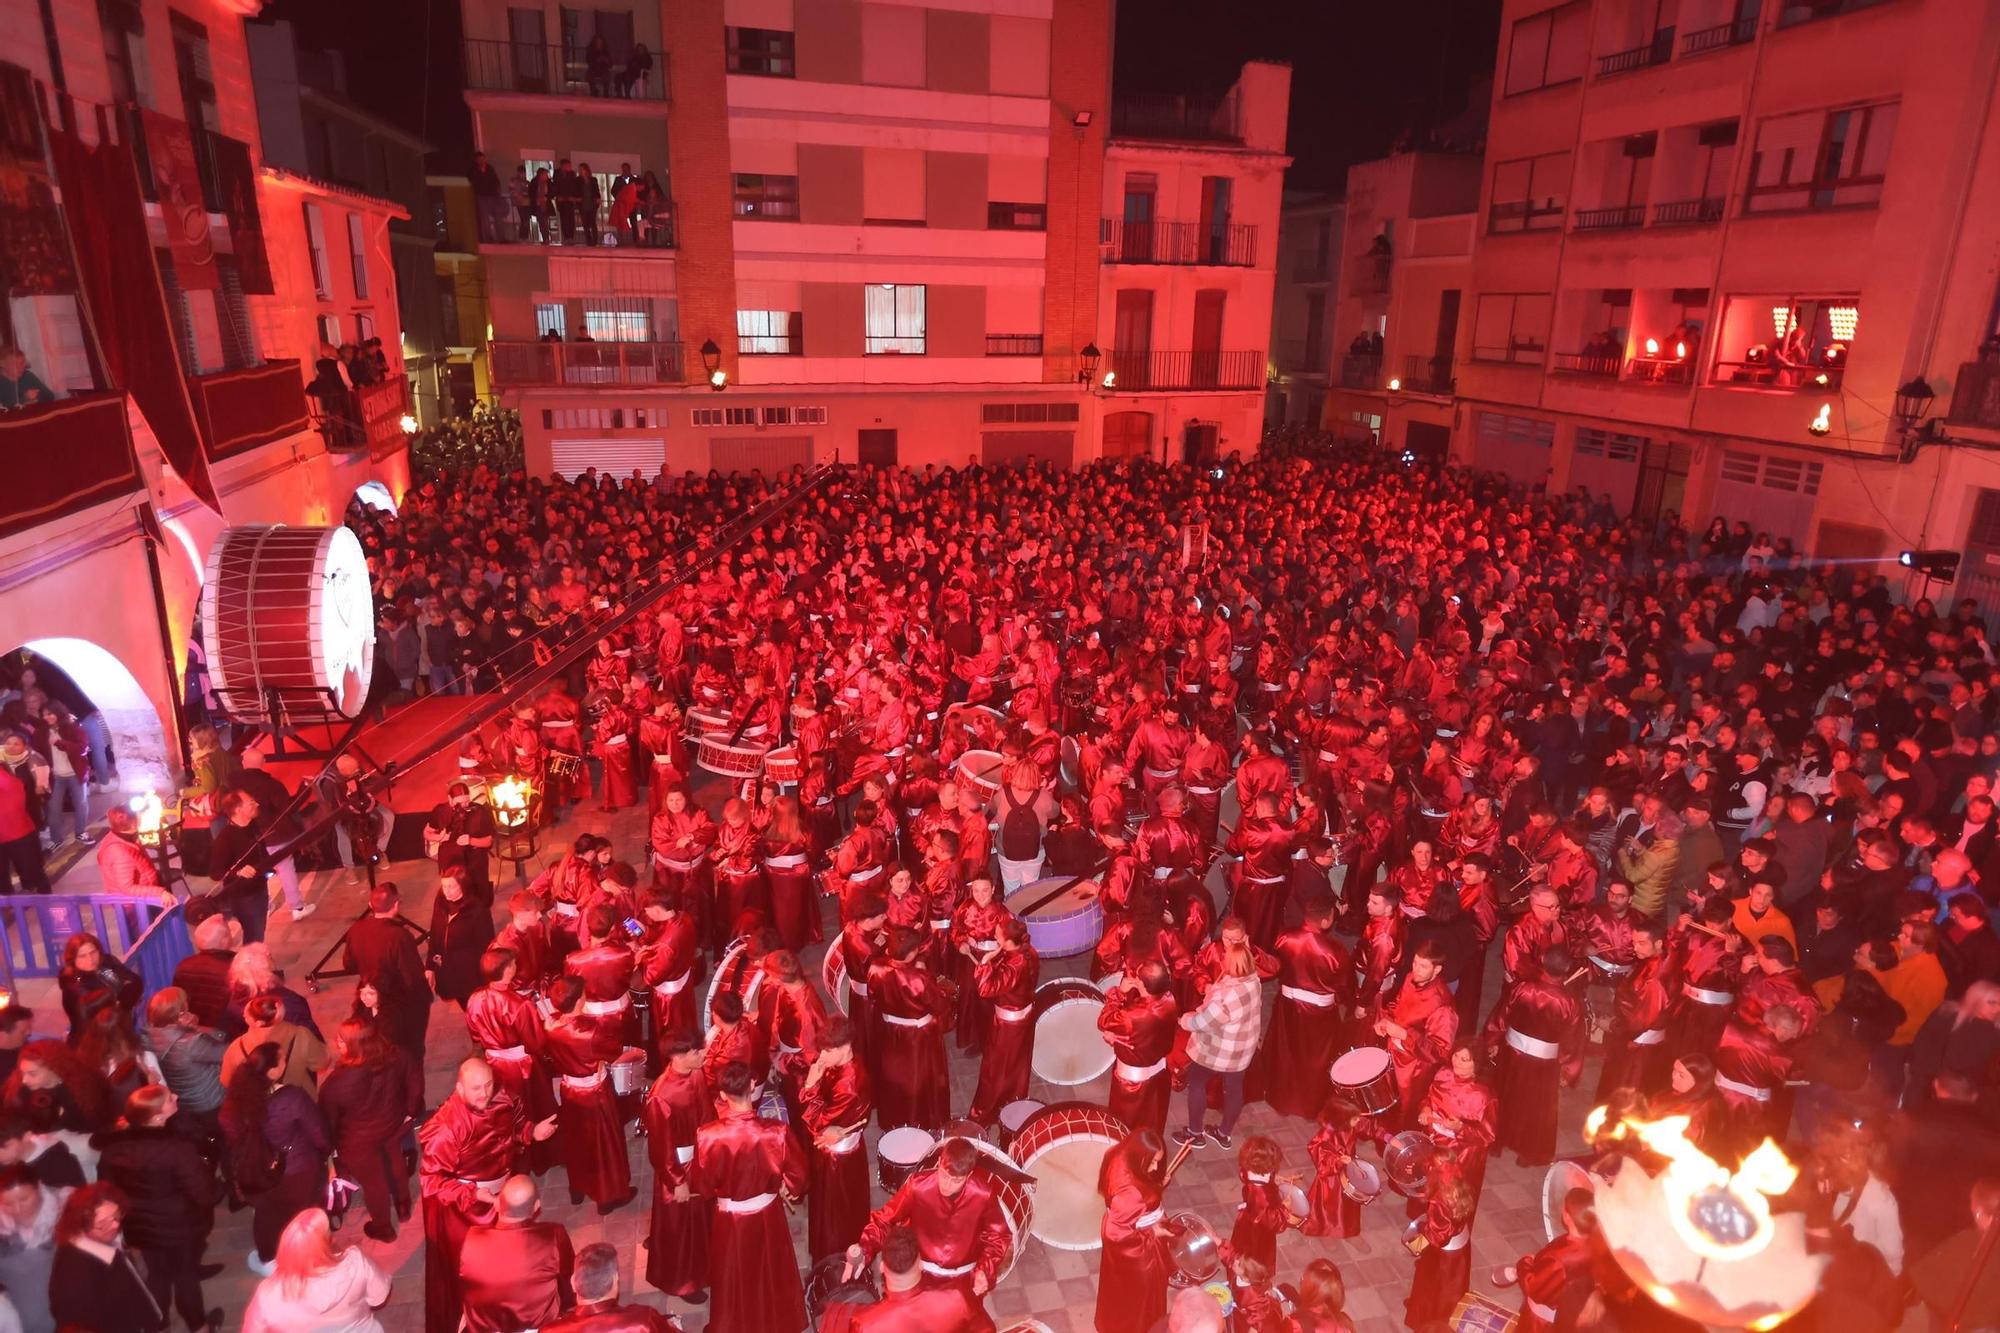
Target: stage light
{"type": "Point", "coordinates": [1932, 564]}
{"type": "Point", "coordinates": [1395, 385]}
{"type": "Point", "coordinates": [1110, 379]}
{"type": "Point", "coordinates": [1842, 319]}
{"type": "Point", "coordinates": [409, 424]}
{"type": "Point", "coordinates": [1652, 347]}
{"type": "Point", "coordinates": [1823, 423]}
{"type": "Point", "coordinates": [1781, 320]}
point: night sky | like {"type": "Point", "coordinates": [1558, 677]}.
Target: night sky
{"type": "Point", "coordinates": [1362, 70]}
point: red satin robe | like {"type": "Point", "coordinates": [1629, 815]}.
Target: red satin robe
{"type": "Point", "coordinates": [680, 861]}
{"type": "Point", "coordinates": [676, 1106]}
{"type": "Point", "coordinates": [919, 1310]}
{"type": "Point", "coordinates": [743, 1163]}
{"type": "Point", "coordinates": [1168, 848]}
{"type": "Point", "coordinates": [726, 1046]}
{"type": "Point", "coordinates": [739, 876]}
{"type": "Point", "coordinates": [1749, 1060]}
{"type": "Point", "coordinates": [1636, 1053]}
{"type": "Point", "coordinates": [606, 973]}
{"type": "Point", "coordinates": [535, 955]}
{"type": "Point", "coordinates": [1142, 1030]}
{"type": "Point", "coordinates": [837, 1202]}
{"type": "Point", "coordinates": [1132, 1265]}
{"type": "Point", "coordinates": [1332, 1146]}
{"type": "Point", "coordinates": [1262, 775]}
{"type": "Point", "coordinates": [1006, 982]}
{"type": "Point", "coordinates": [1708, 972]}
{"type": "Point", "coordinates": [461, 1150]}
{"type": "Point", "coordinates": [1315, 982]}
{"type": "Point", "coordinates": [1544, 1014]}
{"type": "Point", "coordinates": [967, 924]}
{"type": "Point", "coordinates": [501, 1020]}
{"type": "Point", "coordinates": [794, 901]}
{"type": "Point", "coordinates": [1527, 940]}
{"type": "Point", "coordinates": [514, 1275]}
{"type": "Point", "coordinates": [1382, 943]}
{"type": "Point", "coordinates": [1462, 1118]}
{"type": "Point", "coordinates": [1260, 880]}
{"type": "Point", "coordinates": [1555, 1281]}
{"type": "Point", "coordinates": [1260, 1217]}
{"type": "Point", "coordinates": [1764, 991]}
{"type": "Point", "coordinates": [794, 1016]}
{"type": "Point", "coordinates": [966, 1231]}
{"type": "Point", "coordinates": [912, 1083]}
{"type": "Point", "coordinates": [562, 733]}
{"type": "Point", "coordinates": [589, 1124]}
{"type": "Point", "coordinates": [668, 972]}
{"type": "Point", "coordinates": [613, 748]}
{"type": "Point", "coordinates": [1432, 1022]}
{"type": "Point", "coordinates": [1443, 1272]}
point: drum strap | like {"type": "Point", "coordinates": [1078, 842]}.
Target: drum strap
{"type": "Point", "coordinates": [791, 862]}
{"type": "Point", "coordinates": [1650, 1037]}
{"type": "Point", "coordinates": [605, 1008]}
{"type": "Point", "coordinates": [1318, 999]}
{"type": "Point", "coordinates": [506, 1053]}
{"type": "Point", "coordinates": [903, 1022]}
{"type": "Point", "coordinates": [1457, 1242]}
{"type": "Point", "coordinates": [584, 1083]}
{"type": "Point", "coordinates": [676, 986]}
{"type": "Point", "coordinates": [1749, 1090]}
{"type": "Point", "coordinates": [740, 1207]}
{"type": "Point", "coordinates": [1532, 1046]}
{"type": "Point", "coordinates": [1138, 1073]}
{"type": "Point", "coordinates": [1151, 1219]}
{"type": "Point", "coordinates": [1012, 1015]}
{"type": "Point", "coordinates": [1700, 996]}
{"type": "Point", "coordinates": [939, 1270]}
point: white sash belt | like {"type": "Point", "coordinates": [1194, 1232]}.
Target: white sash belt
{"type": "Point", "coordinates": [937, 924]}
{"type": "Point", "coordinates": [564, 909]}
{"type": "Point", "coordinates": [1545, 1313]}
{"type": "Point", "coordinates": [585, 1082]}
{"type": "Point", "coordinates": [662, 757]}
{"type": "Point", "coordinates": [506, 1052]}
{"type": "Point", "coordinates": [1532, 1046]}
{"type": "Point", "coordinates": [492, 1184]}
{"type": "Point", "coordinates": [605, 1008]}
{"type": "Point", "coordinates": [857, 988]}
{"type": "Point", "coordinates": [1750, 1090]}
{"type": "Point", "coordinates": [1328, 757]}
{"type": "Point", "coordinates": [1163, 772]}
{"type": "Point", "coordinates": [1151, 1219]}
{"type": "Point", "coordinates": [558, 722]}
{"type": "Point", "coordinates": [1650, 1037]}
{"type": "Point", "coordinates": [1163, 872]}
{"type": "Point", "coordinates": [1457, 1242]}
{"type": "Point", "coordinates": [790, 862]}
{"type": "Point", "coordinates": [1603, 964]}
{"type": "Point", "coordinates": [619, 739]}
{"type": "Point", "coordinates": [674, 987]}
{"type": "Point", "coordinates": [903, 1022]}
{"type": "Point", "coordinates": [1012, 1015]}
{"type": "Point", "coordinates": [864, 875]}
{"type": "Point", "coordinates": [1318, 999]}
{"type": "Point", "coordinates": [684, 1153]}
{"type": "Point", "coordinates": [1203, 791]}
{"type": "Point", "coordinates": [741, 1207]}
{"type": "Point", "coordinates": [939, 1270]}
{"type": "Point", "coordinates": [1700, 996]}
{"type": "Point", "coordinates": [846, 1145]}
{"type": "Point", "coordinates": [1138, 1073]}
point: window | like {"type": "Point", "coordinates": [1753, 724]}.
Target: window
{"type": "Point", "coordinates": [196, 74]}
{"type": "Point", "coordinates": [764, 196]}
{"type": "Point", "coordinates": [1821, 159]}
{"type": "Point", "coordinates": [893, 39]}
{"type": "Point", "coordinates": [792, 416]}
{"type": "Point", "coordinates": [357, 256]}
{"type": "Point", "coordinates": [723, 416]}
{"type": "Point", "coordinates": [892, 186]}
{"type": "Point", "coordinates": [124, 29]}
{"type": "Point", "coordinates": [1612, 446]}
{"type": "Point", "coordinates": [770, 333]}
{"type": "Point", "coordinates": [1500, 428]}
{"type": "Point", "coordinates": [551, 317]}
{"type": "Point", "coordinates": [766, 51]}
{"type": "Point", "coordinates": [316, 245]}
{"type": "Point", "coordinates": [447, 291]}
{"type": "Point", "coordinates": [895, 315]}
{"type": "Point", "coordinates": [619, 319]}
{"type": "Point", "coordinates": [1007, 414]}
{"type": "Point", "coordinates": [364, 327]}
{"type": "Point", "coordinates": [1794, 475]}
{"type": "Point", "coordinates": [1017, 217]}
{"type": "Point", "coordinates": [1548, 48]}
{"type": "Point", "coordinates": [1528, 193]}
{"type": "Point", "coordinates": [1786, 342]}
{"type": "Point", "coordinates": [1511, 326]}
{"type": "Point", "coordinates": [329, 330]}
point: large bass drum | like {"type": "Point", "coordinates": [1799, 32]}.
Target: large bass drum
{"type": "Point", "coordinates": [833, 976]}
{"type": "Point", "coordinates": [1069, 1050]}
{"type": "Point", "coordinates": [1063, 1148]}
{"type": "Point", "coordinates": [1070, 923]}
{"type": "Point", "coordinates": [287, 613]}
{"type": "Point", "coordinates": [729, 974]}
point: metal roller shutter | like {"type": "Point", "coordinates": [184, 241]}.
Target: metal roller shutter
{"type": "Point", "coordinates": [618, 458]}
{"type": "Point", "coordinates": [772, 453]}
{"type": "Point", "coordinates": [998, 448]}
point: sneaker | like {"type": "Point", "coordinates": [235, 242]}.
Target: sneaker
{"type": "Point", "coordinates": [1220, 1139]}
{"type": "Point", "coordinates": [1190, 1138]}
{"type": "Point", "coordinates": [259, 1267]}
{"type": "Point", "coordinates": [302, 912]}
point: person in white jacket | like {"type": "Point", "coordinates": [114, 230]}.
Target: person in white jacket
{"type": "Point", "coordinates": [314, 1290]}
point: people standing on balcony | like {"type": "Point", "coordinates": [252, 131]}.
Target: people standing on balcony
{"type": "Point", "coordinates": [487, 199]}
{"type": "Point", "coordinates": [625, 196]}
{"type": "Point", "coordinates": [541, 209]}
{"type": "Point", "coordinates": [20, 386]}
{"type": "Point", "coordinates": [590, 202]}
{"type": "Point", "coordinates": [637, 66]}
{"type": "Point", "coordinates": [597, 66]}
{"type": "Point", "coordinates": [521, 195]}
{"type": "Point", "coordinates": [659, 212]}
{"type": "Point", "coordinates": [567, 191]}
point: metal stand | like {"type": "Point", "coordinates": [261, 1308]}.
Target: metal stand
{"type": "Point", "coordinates": [324, 970]}
{"type": "Point", "coordinates": [278, 711]}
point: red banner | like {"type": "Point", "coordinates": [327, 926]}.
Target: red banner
{"type": "Point", "coordinates": [236, 181]}
{"type": "Point", "coordinates": [177, 182]}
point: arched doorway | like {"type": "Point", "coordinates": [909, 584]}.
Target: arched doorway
{"type": "Point", "coordinates": [375, 495]}
{"type": "Point", "coordinates": [1128, 434]}
{"type": "Point", "coordinates": [118, 715]}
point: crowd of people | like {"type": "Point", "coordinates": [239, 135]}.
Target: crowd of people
{"type": "Point", "coordinates": [55, 752]}
{"type": "Point", "coordinates": [1512, 785]}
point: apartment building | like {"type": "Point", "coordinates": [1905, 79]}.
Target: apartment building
{"type": "Point", "coordinates": [176, 335]}
{"type": "Point", "coordinates": [1717, 238]}
{"type": "Point", "coordinates": [1402, 275]}
{"type": "Point", "coordinates": [887, 231]}
{"type": "Point", "coordinates": [1302, 308]}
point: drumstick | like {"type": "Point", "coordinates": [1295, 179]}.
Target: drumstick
{"type": "Point", "coordinates": [1166, 1177]}
{"type": "Point", "coordinates": [1060, 889]}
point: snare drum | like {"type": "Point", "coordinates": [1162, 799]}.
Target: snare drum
{"type": "Point", "coordinates": [783, 765]}
{"type": "Point", "coordinates": [1360, 1181]}
{"type": "Point", "coordinates": [1110, 981]}
{"type": "Point", "coordinates": [771, 1106]}
{"type": "Point", "coordinates": [1193, 1249]}
{"type": "Point", "coordinates": [898, 1155]}
{"type": "Point", "coordinates": [1068, 925]}
{"type": "Point", "coordinates": [1068, 1047]}
{"type": "Point", "coordinates": [628, 1072]}
{"type": "Point", "coordinates": [1365, 1076]}
{"type": "Point", "coordinates": [1012, 1116]}
{"type": "Point", "coordinates": [703, 721]}
{"type": "Point", "coordinates": [1063, 1147]}
{"type": "Point", "coordinates": [1406, 1160]}
{"type": "Point", "coordinates": [982, 768]}
{"type": "Point", "coordinates": [1295, 1201]}
{"type": "Point", "coordinates": [826, 1286]}
{"type": "Point", "coordinates": [718, 756]}
{"type": "Point", "coordinates": [833, 976]}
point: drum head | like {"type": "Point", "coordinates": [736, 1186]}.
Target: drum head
{"type": "Point", "coordinates": [982, 768]}
{"type": "Point", "coordinates": [1015, 1114]}
{"type": "Point", "coordinates": [833, 976]}
{"type": "Point", "coordinates": [1110, 981]}
{"type": "Point", "coordinates": [1063, 1147]}
{"type": "Point", "coordinates": [726, 969]}
{"type": "Point", "coordinates": [1069, 1050]}
{"type": "Point", "coordinates": [1071, 763]}
{"type": "Point", "coordinates": [1361, 1066]}
{"type": "Point", "coordinates": [825, 1286]}
{"type": "Point", "coordinates": [1556, 1186]}
{"type": "Point", "coordinates": [1360, 1181]}
{"type": "Point", "coordinates": [906, 1145]}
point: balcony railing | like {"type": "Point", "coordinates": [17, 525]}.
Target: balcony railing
{"type": "Point", "coordinates": [63, 456]}
{"type": "Point", "coordinates": [1517, 351]}
{"type": "Point", "coordinates": [560, 71]}
{"type": "Point", "coordinates": [1659, 370]}
{"type": "Point", "coordinates": [1593, 364]}
{"type": "Point", "coordinates": [1428, 374]}
{"type": "Point", "coordinates": [1155, 242]}
{"type": "Point", "coordinates": [1734, 33]}
{"type": "Point", "coordinates": [1189, 118]}
{"type": "Point", "coordinates": [1656, 52]}
{"type": "Point", "coordinates": [241, 410]}
{"type": "Point", "coordinates": [1360, 371]}
{"type": "Point", "coordinates": [529, 364]}
{"type": "Point", "coordinates": [1609, 219]}
{"type": "Point", "coordinates": [1013, 344]}
{"type": "Point", "coordinates": [1975, 395]}
{"type": "Point", "coordinates": [652, 229]}
{"type": "Point", "coordinates": [1805, 11]}
{"type": "Point", "coordinates": [1525, 215]}
{"type": "Point", "coordinates": [1688, 213]}
{"type": "Point", "coordinates": [1135, 371]}
{"type": "Point", "coordinates": [1767, 374]}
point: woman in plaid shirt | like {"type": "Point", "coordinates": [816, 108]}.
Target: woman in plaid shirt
{"type": "Point", "coordinates": [1222, 1040]}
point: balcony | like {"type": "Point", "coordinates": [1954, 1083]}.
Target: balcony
{"type": "Point", "coordinates": [1688, 213]}
{"type": "Point", "coordinates": [64, 456]}
{"type": "Point", "coordinates": [1191, 243]}
{"type": "Point", "coordinates": [558, 71]}
{"type": "Point", "coordinates": [1013, 344]}
{"type": "Point", "coordinates": [1659, 370]}
{"type": "Point", "coordinates": [1656, 52]}
{"type": "Point", "coordinates": [1609, 219]}
{"type": "Point", "coordinates": [1592, 364]}
{"type": "Point", "coordinates": [241, 410]}
{"type": "Point", "coordinates": [1808, 11]}
{"type": "Point", "coordinates": [1134, 372]}
{"type": "Point", "coordinates": [652, 229]}
{"type": "Point", "coordinates": [1368, 274]}
{"type": "Point", "coordinates": [1721, 36]}
{"type": "Point", "coordinates": [518, 365]}
{"type": "Point", "coordinates": [1975, 395]}
{"type": "Point", "coordinates": [1524, 215]}
{"type": "Point", "coordinates": [1360, 372]}
{"type": "Point", "coordinates": [1191, 119]}
{"type": "Point", "coordinates": [1428, 375]}
{"type": "Point", "coordinates": [1768, 374]}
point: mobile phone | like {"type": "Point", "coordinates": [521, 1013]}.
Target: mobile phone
{"type": "Point", "coordinates": [633, 928]}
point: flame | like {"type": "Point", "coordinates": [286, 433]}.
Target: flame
{"type": "Point", "coordinates": [1680, 351]}
{"type": "Point", "coordinates": [151, 813]}
{"type": "Point", "coordinates": [510, 798]}
{"type": "Point", "coordinates": [1823, 423]}
{"type": "Point", "coordinates": [1652, 347]}
{"type": "Point", "coordinates": [1692, 1174]}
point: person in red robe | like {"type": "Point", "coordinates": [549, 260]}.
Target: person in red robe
{"type": "Point", "coordinates": [835, 1106]}
{"type": "Point", "coordinates": [793, 1016]}
{"type": "Point", "coordinates": [666, 957]}
{"type": "Point", "coordinates": [1540, 929]}
{"type": "Point", "coordinates": [863, 943]}
{"type": "Point", "coordinates": [1707, 955]}
{"type": "Point", "coordinates": [739, 866]}
{"type": "Point", "coordinates": [1132, 1265]}
{"type": "Point", "coordinates": [1635, 1044]}
{"type": "Point", "coordinates": [579, 1048]}
{"type": "Point", "coordinates": [1752, 1064]}
{"type": "Point", "coordinates": [971, 936]}
{"type": "Point", "coordinates": [1264, 843]}
{"type": "Point", "coordinates": [908, 1006]}
{"type": "Point", "coordinates": [561, 719]}
{"type": "Point", "coordinates": [1381, 946]}
{"type": "Point", "coordinates": [1315, 981]}
{"type": "Point", "coordinates": [597, 1308]}
{"type": "Point", "coordinates": [1462, 1116]}
{"type": "Point", "coordinates": [613, 747]}
{"type": "Point", "coordinates": [678, 1104]}
{"type": "Point", "coordinates": [660, 741]}
{"type": "Point", "coordinates": [514, 1272]}
{"type": "Point", "coordinates": [1141, 1021]}
{"type": "Point", "coordinates": [605, 965]}
{"type": "Point", "coordinates": [1537, 1037]}
{"type": "Point", "coordinates": [956, 1215]}
{"type": "Point", "coordinates": [1418, 1027]}
{"type": "Point", "coordinates": [1444, 1253]}
{"type": "Point", "coordinates": [1261, 1215]}
{"type": "Point", "coordinates": [1557, 1279]}
{"type": "Point", "coordinates": [505, 1023]}
{"type": "Point", "coordinates": [1342, 1125]}
{"type": "Point", "coordinates": [1006, 982]}
{"type": "Point", "coordinates": [787, 851]}
{"type": "Point", "coordinates": [681, 835]}
{"type": "Point", "coordinates": [528, 936]}
{"type": "Point", "coordinates": [908, 1304]}
{"type": "Point", "coordinates": [744, 1163]}
{"type": "Point", "coordinates": [467, 1151]}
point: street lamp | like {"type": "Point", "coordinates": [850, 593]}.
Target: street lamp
{"type": "Point", "coordinates": [1088, 359]}
{"type": "Point", "coordinates": [711, 361]}
{"type": "Point", "coordinates": [1913, 404]}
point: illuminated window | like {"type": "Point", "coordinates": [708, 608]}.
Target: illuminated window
{"type": "Point", "coordinates": [895, 318]}
{"type": "Point", "coordinates": [767, 51]}
{"type": "Point", "coordinates": [1786, 342]}
{"type": "Point", "coordinates": [770, 333]}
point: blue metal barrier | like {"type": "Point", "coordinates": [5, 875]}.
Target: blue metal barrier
{"type": "Point", "coordinates": [136, 929]}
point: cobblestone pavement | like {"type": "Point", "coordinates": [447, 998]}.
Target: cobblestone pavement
{"type": "Point", "coordinates": [1057, 1287]}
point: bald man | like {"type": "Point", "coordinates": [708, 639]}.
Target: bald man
{"type": "Point", "coordinates": [514, 1272]}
